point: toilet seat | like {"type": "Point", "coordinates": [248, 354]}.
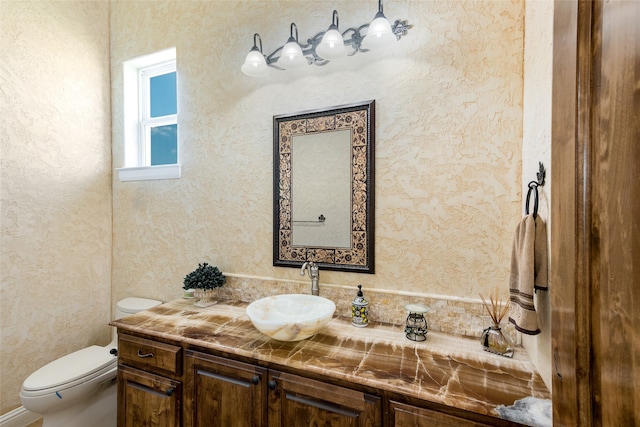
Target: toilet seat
{"type": "Point", "coordinates": [68, 371]}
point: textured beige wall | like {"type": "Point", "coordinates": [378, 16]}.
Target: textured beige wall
{"type": "Point", "coordinates": [448, 154]}
{"type": "Point", "coordinates": [56, 184]}
{"type": "Point", "coordinates": [536, 147]}
{"type": "Point", "coordinates": [448, 141]}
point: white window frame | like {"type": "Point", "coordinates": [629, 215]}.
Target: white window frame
{"type": "Point", "coordinates": [137, 121]}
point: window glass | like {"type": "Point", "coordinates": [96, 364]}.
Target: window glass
{"type": "Point", "coordinates": [164, 144]}
{"type": "Point", "coordinates": [162, 90]}
{"type": "Point", "coordinates": [151, 143]}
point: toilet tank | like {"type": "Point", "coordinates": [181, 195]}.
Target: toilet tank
{"type": "Point", "coordinates": [132, 305]}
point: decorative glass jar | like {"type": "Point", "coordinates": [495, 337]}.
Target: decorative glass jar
{"type": "Point", "coordinates": [495, 341]}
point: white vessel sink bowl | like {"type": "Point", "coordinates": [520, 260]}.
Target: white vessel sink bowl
{"type": "Point", "coordinates": [290, 317]}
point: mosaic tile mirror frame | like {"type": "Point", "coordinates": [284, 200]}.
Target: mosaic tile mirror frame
{"type": "Point", "coordinates": [355, 252]}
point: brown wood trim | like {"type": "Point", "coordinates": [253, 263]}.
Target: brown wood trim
{"type": "Point", "coordinates": [583, 283]}
{"type": "Point", "coordinates": [592, 209]}
{"type": "Point", "coordinates": [595, 223]}
{"type": "Point", "coordinates": [565, 226]}
{"type": "Point", "coordinates": [615, 219]}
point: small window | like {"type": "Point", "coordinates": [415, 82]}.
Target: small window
{"type": "Point", "coordinates": [151, 118]}
{"type": "Point", "coordinates": [159, 121]}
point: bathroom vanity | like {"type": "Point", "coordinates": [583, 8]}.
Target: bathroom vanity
{"type": "Point", "coordinates": [180, 365]}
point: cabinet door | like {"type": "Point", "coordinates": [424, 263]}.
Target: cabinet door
{"type": "Point", "coordinates": [147, 400]}
{"type": "Point", "coordinates": [403, 415]}
{"type": "Point", "coordinates": [297, 401]}
{"type": "Point", "coordinates": [223, 393]}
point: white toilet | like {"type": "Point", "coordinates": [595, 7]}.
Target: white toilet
{"type": "Point", "coordinates": [79, 389]}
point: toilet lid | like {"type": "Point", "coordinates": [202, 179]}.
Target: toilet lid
{"type": "Point", "coordinates": [134, 304]}
{"type": "Point", "coordinates": [71, 367]}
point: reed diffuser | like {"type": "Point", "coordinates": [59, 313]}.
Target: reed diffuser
{"type": "Point", "coordinates": [493, 340]}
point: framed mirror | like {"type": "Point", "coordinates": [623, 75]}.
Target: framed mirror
{"type": "Point", "coordinates": [323, 188]}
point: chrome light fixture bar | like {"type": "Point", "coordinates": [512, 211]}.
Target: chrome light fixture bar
{"type": "Point", "coordinates": [324, 46]}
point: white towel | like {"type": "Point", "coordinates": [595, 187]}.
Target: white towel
{"type": "Point", "coordinates": [528, 272]}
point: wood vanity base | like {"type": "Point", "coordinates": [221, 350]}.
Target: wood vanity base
{"type": "Point", "coordinates": [181, 365]}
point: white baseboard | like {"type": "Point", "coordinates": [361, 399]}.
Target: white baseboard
{"type": "Point", "coordinates": [19, 417]}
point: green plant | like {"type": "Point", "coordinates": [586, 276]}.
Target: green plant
{"type": "Point", "coordinates": [204, 277]}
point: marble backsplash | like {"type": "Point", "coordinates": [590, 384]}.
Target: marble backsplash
{"type": "Point", "coordinates": [450, 315]}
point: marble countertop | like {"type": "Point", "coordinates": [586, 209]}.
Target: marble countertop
{"type": "Point", "coordinates": [445, 369]}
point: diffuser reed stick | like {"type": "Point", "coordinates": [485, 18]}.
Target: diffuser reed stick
{"type": "Point", "coordinates": [496, 307]}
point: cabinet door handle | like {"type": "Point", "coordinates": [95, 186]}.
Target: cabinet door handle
{"type": "Point", "coordinates": [255, 380]}
{"type": "Point", "coordinates": [169, 391]}
{"type": "Point", "coordinates": [142, 355]}
{"type": "Point", "coordinates": [272, 384]}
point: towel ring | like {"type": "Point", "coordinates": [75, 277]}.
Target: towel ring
{"type": "Point", "coordinates": [533, 189]}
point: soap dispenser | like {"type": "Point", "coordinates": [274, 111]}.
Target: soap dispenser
{"type": "Point", "coordinates": [360, 310]}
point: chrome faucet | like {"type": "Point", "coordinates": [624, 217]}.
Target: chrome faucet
{"type": "Point", "coordinates": [314, 273]}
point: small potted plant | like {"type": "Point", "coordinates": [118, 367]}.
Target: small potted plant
{"type": "Point", "coordinates": [203, 280]}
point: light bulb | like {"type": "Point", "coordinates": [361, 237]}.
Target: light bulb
{"type": "Point", "coordinates": [291, 56]}
{"type": "Point", "coordinates": [379, 33]}
{"type": "Point", "coordinates": [255, 64]}
{"type": "Point", "coordinates": [332, 45]}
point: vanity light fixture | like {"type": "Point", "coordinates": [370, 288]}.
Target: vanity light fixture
{"type": "Point", "coordinates": [324, 46]}
{"type": "Point", "coordinates": [380, 33]}
{"type": "Point", "coordinates": [255, 65]}
{"type": "Point", "coordinates": [292, 56]}
{"type": "Point", "coordinates": [332, 44]}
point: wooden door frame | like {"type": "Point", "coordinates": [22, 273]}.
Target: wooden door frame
{"type": "Point", "coordinates": [570, 212]}
{"type": "Point", "coordinates": [595, 227]}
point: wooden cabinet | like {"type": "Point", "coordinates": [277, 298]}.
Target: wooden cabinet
{"type": "Point", "coordinates": [224, 392]}
{"type": "Point", "coordinates": [221, 392]}
{"type": "Point", "coordinates": [150, 355]}
{"type": "Point", "coordinates": [298, 401]}
{"type": "Point", "coordinates": [157, 386]}
{"type": "Point", "coordinates": [403, 415]}
{"type": "Point", "coordinates": [149, 390]}
{"type": "Point", "coordinates": [146, 400]}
